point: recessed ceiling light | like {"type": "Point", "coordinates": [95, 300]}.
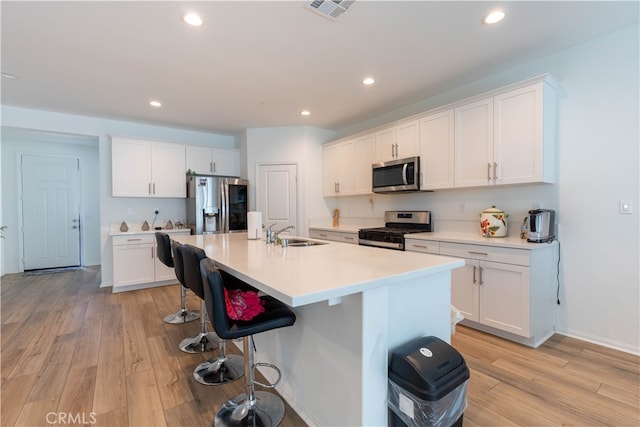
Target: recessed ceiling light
{"type": "Point", "coordinates": [493, 17]}
{"type": "Point", "coordinates": [192, 19]}
{"type": "Point", "coordinates": [368, 81]}
{"type": "Point", "coordinates": [156, 104]}
{"type": "Point", "coordinates": [9, 76]}
{"type": "Point", "coordinates": [305, 112]}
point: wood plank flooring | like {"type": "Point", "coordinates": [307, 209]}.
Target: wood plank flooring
{"type": "Point", "coordinates": [75, 350]}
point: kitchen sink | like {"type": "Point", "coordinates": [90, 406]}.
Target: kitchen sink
{"type": "Point", "coordinates": [300, 242]}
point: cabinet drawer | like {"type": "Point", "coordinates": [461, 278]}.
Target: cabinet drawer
{"type": "Point", "coordinates": [426, 246]}
{"type": "Point", "coordinates": [134, 240]}
{"type": "Point", "coordinates": [486, 253]}
{"type": "Point", "coordinates": [335, 236]}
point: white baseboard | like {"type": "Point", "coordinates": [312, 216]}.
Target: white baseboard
{"type": "Point", "coordinates": [615, 345]}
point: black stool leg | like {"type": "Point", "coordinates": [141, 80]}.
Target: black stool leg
{"type": "Point", "coordinates": [256, 408]}
{"type": "Point", "coordinates": [184, 315]}
{"type": "Point", "coordinates": [204, 341]}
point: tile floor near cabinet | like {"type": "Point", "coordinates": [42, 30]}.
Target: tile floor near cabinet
{"type": "Point", "coordinates": [72, 349]}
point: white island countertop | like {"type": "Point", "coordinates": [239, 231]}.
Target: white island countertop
{"type": "Point", "coordinates": [304, 275]}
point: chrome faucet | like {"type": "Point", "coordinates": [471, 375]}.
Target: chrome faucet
{"type": "Point", "coordinates": [270, 233]}
{"type": "Point", "coordinates": [275, 235]}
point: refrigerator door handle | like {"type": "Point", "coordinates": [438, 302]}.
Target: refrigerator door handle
{"type": "Point", "coordinates": [224, 207]}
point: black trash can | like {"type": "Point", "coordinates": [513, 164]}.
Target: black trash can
{"type": "Point", "coordinates": [427, 384]}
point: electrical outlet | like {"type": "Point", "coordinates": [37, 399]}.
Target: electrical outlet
{"type": "Point", "coordinates": [156, 211]}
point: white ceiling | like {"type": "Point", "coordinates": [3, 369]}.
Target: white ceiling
{"type": "Point", "coordinates": [257, 64]}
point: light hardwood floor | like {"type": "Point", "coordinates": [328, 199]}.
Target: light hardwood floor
{"type": "Point", "coordinates": [69, 347]}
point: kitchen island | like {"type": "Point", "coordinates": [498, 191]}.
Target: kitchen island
{"type": "Point", "coordinates": [354, 304]}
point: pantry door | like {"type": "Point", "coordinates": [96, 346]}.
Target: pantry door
{"type": "Point", "coordinates": [276, 195]}
{"type": "Point", "coordinates": [50, 211]}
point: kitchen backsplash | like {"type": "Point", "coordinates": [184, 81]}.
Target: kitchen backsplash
{"type": "Point", "coordinates": [452, 210]}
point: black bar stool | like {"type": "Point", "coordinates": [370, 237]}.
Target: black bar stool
{"type": "Point", "coordinates": [191, 257]}
{"type": "Point", "coordinates": [164, 255]}
{"type": "Point", "coordinates": [225, 368]}
{"type": "Point", "coordinates": [254, 408]}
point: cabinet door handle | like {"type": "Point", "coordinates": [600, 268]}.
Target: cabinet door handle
{"type": "Point", "coordinates": [133, 240]}
{"type": "Point", "coordinates": [214, 166]}
{"type": "Point", "coordinates": [480, 275]}
{"type": "Point", "coordinates": [488, 171]}
{"type": "Point", "coordinates": [348, 238]}
{"type": "Point", "coordinates": [392, 149]}
{"type": "Point", "coordinates": [154, 188]}
{"type": "Point", "coordinates": [495, 172]}
{"type": "Point", "coordinates": [474, 274]}
{"type": "Point", "coordinates": [150, 188]}
{"type": "Point", "coordinates": [479, 253]}
{"type": "Point", "coordinates": [322, 235]}
{"type": "Point", "coordinates": [420, 246]}
{"type": "Point", "coordinates": [396, 150]}
{"type": "Point", "coordinates": [152, 252]}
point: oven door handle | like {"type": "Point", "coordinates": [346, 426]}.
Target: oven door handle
{"type": "Point", "coordinates": [404, 173]}
{"type": "Point", "coordinates": [377, 244]}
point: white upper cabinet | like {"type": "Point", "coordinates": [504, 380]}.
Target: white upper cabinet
{"type": "Point", "coordinates": [364, 157]}
{"type": "Point", "coordinates": [506, 139]}
{"type": "Point", "coordinates": [523, 146]}
{"type": "Point", "coordinates": [503, 137]}
{"type": "Point", "coordinates": [143, 168]}
{"type": "Point", "coordinates": [398, 142]}
{"type": "Point", "coordinates": [347, 167]}
{"type": "Point", "coordinates": [213, 161]}
{"type": "Point", "coordinates": [437, 151]}
{"type": "Point", "coordinates": [474, 143]}
{"type": "Point", "coordinates": [338, 171]}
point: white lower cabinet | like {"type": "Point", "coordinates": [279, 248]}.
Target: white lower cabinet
{"type": "Point", "coordinates": [504, 291]}
{"type": "Point", "coordinates": [493, 294]}
{"type": "Point", "coordinates": [136, 264]}
{"type": "Point", "coordinates": [334, 236]}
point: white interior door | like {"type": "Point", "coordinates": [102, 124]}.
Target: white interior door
{"type": "Point", "coordinates": [276, 195]}
{"type": "Point", "coordinates": [50, 211]}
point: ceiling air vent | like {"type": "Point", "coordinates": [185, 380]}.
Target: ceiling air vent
{"type": "Point", "coordinates": [329, 8]}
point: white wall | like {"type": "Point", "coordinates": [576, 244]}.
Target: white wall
{"type": "Point", "coordinates": [89, 186]}
{"type": "Point", "coordinates": [598, 164]}
{"type": "Point", "coordinates": [297, 144]}
{"type": "Point", "coordinates": [112, 210]}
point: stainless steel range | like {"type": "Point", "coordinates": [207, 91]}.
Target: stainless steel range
{"type": "Point", "coordinates": [397, 225]}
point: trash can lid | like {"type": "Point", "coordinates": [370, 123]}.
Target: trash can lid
{"type": "Point", "coordinates": [427, 367]}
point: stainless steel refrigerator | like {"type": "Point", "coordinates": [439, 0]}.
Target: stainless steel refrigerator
{"type": "Point", "coordinates": [216, 204]}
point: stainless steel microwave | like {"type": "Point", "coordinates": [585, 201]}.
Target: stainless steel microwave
{"type": "Point", "coordinates": [396, 175]}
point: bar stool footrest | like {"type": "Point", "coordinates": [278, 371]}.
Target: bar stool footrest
{"type": "Point", "coordinates": [275, 368]}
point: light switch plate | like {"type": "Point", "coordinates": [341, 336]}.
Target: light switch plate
{"type": "Point", "coordinates": [626, 206]}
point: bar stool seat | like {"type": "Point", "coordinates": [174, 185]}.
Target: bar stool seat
{"type": "Point", "coordinates": [164, 255]}
{"type": "Point", "coordinates": [255, 408]}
